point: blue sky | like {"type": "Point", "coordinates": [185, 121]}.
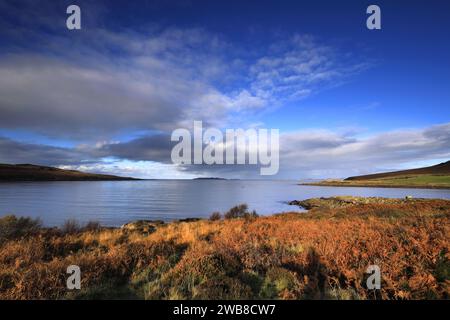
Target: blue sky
{"type": "Point", "coordinates": [347, 100]}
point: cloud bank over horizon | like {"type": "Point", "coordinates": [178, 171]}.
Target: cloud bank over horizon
{"type": "Point", "coordinates": [303, 154]}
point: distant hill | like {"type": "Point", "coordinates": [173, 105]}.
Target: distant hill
{"type": "Point", "coordinates": [439, 169]}
{"type": "Point", "coordinates": [434, 177]}
{"type": "Point", "coordinates": [29, 172]}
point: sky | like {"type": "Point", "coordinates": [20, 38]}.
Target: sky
{"type": "Point", "coordinates": [347, 100]}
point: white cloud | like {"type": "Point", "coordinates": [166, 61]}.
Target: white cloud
{"type": "Point", "coordinates": [141, 169]}
{"type": "Point", "coordinates": [341, 155]}
{"type": "Point", "coordinates": [303, 154]}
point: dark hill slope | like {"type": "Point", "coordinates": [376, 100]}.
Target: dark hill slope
{"type": "Point", "coordinates": [439, 169]}
{"type": "Point", "coordinates": [29, 172]}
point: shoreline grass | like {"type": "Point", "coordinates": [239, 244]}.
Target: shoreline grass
{"type": "Point", "coordinates": [409, 181]}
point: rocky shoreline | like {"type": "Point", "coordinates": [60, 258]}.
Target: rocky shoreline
{"type": "Point", "coordinates": [352, 184]}
{"type": "Point", "coordinates": [346, 201]}
{"type": "Point", "coordinates": [146, 227]}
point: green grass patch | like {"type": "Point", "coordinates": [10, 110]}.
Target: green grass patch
{"type": "Point", "coordinates": [426, 179]}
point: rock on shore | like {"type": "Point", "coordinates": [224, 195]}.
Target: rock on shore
{"type": "Point", "coordinates": [345, 201]}
{"type": "Point", "coordinates": [142, 226]}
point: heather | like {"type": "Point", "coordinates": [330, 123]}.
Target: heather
{"type": "Point", "coordinates": [320, 254]}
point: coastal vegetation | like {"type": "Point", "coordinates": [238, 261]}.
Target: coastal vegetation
{"type": "Point", "coordinates": [319, 254]}
{"type": "Point", "coordinates": [434, 177]}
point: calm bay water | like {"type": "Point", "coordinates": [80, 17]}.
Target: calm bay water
{"type": "Point", "coordinates": [114, 203]}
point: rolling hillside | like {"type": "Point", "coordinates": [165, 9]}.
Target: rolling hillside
{"type": "Point", "coordinates": [434, 177]}
{"type": "Point", "coordinates": [439, 169]}
{"type": "Point", "coordinates": [29, 172]}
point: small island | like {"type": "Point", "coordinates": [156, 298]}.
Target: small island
{"type": "Point", "coordinates": [209, 178]}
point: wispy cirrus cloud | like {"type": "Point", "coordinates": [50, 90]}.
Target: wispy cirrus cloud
{"type": "Point", "coordinates": [300, 66]}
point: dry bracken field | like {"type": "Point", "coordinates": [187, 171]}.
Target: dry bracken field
{"type": "Point", "coordinates": [321, 254]}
